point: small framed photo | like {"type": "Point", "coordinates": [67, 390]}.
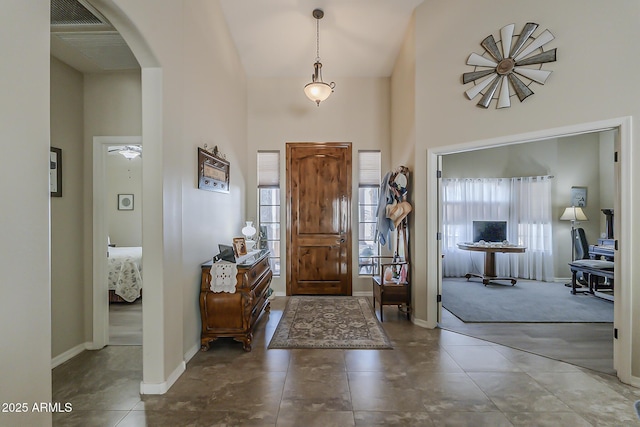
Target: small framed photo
{"type": "Point", "coordinates": [55, 172]}
{"type": "Point", "coordinates": [579, 196]}
{"type": "Point", "coordinates": [239, 246]}
{"type": "Point", "coordinates": [125, 202]}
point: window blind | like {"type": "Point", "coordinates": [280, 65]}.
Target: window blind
{"type": "Point", "coordinates": [369, 168]}
{"type": "Point", "coordinates": [268, 169]}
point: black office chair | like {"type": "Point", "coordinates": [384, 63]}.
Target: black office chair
{"type": "Point", "coordinates": [580, 244]}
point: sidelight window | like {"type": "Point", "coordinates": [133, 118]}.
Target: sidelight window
{"type": "Point", "coordinates": [269, 205]}
{"type": "Point", "coordinates": [368, 194]}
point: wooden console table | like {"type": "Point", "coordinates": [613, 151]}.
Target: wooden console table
{"type": "Point", "coordinates": [225, 314]}
{"type": "Point", "coordinates": [490, 260]}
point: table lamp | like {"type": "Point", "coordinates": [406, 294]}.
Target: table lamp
{"type": "Point", "coordinates": [249, 231]}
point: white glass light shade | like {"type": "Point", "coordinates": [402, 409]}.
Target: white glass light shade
{"type": "Point", "coordinates": [573, 213]}
{"type": "Point", "coordinates": [248, 230]}
{"type": "Point", "coordinates": [317, 91]}
{"type": "Point", "coordinates": [130, 154]}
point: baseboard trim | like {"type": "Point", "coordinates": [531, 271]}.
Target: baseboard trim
{"type": "Point", "coordinates": [70, 354]}
{"type": "Point", "coordinates": [363, 294]}
{"type": "Point", "coordinates": [422, 323]}
{"type": "Point", "coordinates": [163, 387]}
{"type": "Point", "coordinates": [191, 352]}
{"type": "Point", "coordinates": [278, 294]}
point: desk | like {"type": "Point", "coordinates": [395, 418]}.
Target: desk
{"type": "Point", "coordinates": [595, 269]}
{"type": "Point", "coordinates": [490, 260]}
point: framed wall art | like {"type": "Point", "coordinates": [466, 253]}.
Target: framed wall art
{"type": "Point", "coordinates": [579, 196]}
{"type": "Point", "coordinates": [55, 172]}
{"type": "Point", "coordinates": [213, 171]}
{"type": "Point", "coordinates": [125, 202]}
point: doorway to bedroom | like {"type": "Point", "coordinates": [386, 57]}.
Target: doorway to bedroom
{"type": "Point", "coordinates": [124, 240]}
{"type": "Point", "coordinates": [580, 328]}
{"type": "Point", "coordinates": [118, 270]}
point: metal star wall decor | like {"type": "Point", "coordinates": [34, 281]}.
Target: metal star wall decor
{"type": "Point", "coordinates": [504, 65]}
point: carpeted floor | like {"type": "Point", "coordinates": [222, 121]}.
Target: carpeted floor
{"type": "Point", "coordinates": [125, 323]}
{"type": "Point", "coordinates": [329, 322]}
{"type": "Point", "coordinates": [527, 301]}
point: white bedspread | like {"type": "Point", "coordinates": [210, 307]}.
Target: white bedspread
{"type": "Point", "coordinates": [125, 272]}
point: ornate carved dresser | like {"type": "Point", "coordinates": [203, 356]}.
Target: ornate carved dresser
{"type": "Point", "coordinates": [226, 314]}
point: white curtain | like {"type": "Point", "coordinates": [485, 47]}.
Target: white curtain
{"type": "Point", "coordinates": [524, 202]}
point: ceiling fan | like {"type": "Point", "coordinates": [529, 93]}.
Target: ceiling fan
{"type": "Point", "coordinates": [128, 151]}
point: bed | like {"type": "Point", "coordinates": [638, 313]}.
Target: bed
{"type": "Point", "coordinates": [125, 273]}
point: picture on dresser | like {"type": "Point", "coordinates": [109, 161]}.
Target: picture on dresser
{"type": "Point", "coordinates": [239, 246]}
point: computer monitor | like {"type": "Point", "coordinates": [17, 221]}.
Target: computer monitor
{"type": "Point", "coordinates": [489, 231]}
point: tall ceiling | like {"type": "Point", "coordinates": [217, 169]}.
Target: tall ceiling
{"type": "Point", "coordinates": [358, 38]}
{"type": "Point", "coordinates": [274, 38]}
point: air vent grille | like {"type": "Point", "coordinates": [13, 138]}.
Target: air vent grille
{"type": "Point", "coordinates": [72, 12]}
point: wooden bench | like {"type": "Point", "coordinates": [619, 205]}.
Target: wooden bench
{"type": "Point", "coordinates": [594, 269]}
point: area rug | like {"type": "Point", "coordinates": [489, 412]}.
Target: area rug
{"type": "Point", "coordinates": [329, 322]}
{"type": "Point", "coordinates": [527, 301]}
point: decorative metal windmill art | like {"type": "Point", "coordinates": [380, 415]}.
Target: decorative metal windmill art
{"type": "Point", "coordinates": [504, 68]}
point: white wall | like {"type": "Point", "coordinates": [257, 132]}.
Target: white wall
{"type": "Point", "coordinates": [112, 107]}
{"type": "Point", "coordinates": [194, 92]}
{"type": "Point", "coordinates": [25, 306]}
{"type": "Point", "coordinates": [582, 89]}
{"type": "Point", "coordinates": [124, 176]}
{"type": "Point", "coordinates": [67, 281]}
{"type": "Point", "coordinates": [573, 161]}
{"type": "Point", "coordinates": [357, 112]}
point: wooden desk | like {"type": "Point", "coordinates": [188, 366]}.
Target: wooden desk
{"type": "Point", "coordinates": [490, 260]}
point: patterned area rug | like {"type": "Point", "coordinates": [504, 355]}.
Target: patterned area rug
{"type": "Point", "coordinates": [329, 322]}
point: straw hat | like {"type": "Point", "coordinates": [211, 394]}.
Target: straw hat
{"type": "Point", "coordinates": [398, 211]}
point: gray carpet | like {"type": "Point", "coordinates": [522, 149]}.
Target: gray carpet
{"type": "Point", "coordinates": [527, 301]}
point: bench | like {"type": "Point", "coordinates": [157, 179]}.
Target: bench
{"type": "Point", "coordinates": [594, 269]}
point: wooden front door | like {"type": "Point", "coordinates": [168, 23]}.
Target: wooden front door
{"type": "Point", "coordinates": [318, 219]}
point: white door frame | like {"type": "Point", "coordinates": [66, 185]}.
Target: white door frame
{"type": "Point", "coordinates": [100, 232]}
{"type": "Point", "coordinates": [622, 204]}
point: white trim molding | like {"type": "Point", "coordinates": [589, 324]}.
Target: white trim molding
{"type": "Point", "coordinates": [163, 387]}
{"type": "Point", "coordinates": [70, 354]}
{"type": "Point", "coordinates": [623, 202]}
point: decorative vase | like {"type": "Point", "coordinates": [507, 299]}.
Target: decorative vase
{"type": "Point", "coordinates": [249, 230]}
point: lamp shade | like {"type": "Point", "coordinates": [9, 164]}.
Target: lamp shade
{"type": "Point", "coordinates": [317, 91]}
{"type": "Point", "coordinates": [573, 213]}
{"type": "Point", "coordinates": [248, 230]}
{"type": "Point", "coordinates": [130, 154]}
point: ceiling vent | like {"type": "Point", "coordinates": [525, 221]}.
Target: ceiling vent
{"type": "Point", "coordinates": [74, 13]}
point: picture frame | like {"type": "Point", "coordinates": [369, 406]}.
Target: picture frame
{"type": "Point", "coordinates": [55, 172]}
{"type": "Point", "coordinates": [239, 246]}
{"type": "Point", "coordinates": [213, 172]}
{"type": "Point", "coordinates": [125, 202]}
{"type": "Point", "coordinates": [579, 196]}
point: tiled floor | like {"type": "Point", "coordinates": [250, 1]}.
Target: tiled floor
{"type": "Point", "coordinates": [589, 345]}
{"type": "Point", "coordinates": [431, 378]}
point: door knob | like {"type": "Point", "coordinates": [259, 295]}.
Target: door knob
{"type": "Point", "coordinates": [342, 240]}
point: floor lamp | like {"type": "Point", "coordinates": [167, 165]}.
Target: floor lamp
{"type": "Point", "coordinates": [575, 215]}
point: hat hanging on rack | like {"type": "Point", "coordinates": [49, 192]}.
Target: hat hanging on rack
{"type": "Point", "coordinates": [398, 212]}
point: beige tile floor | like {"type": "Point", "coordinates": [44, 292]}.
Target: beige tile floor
{"type": "Point", "coordinates": [430, 378]}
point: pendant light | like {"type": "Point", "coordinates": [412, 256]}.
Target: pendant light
{"type": "Point", "coordinates": [318, 90]}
